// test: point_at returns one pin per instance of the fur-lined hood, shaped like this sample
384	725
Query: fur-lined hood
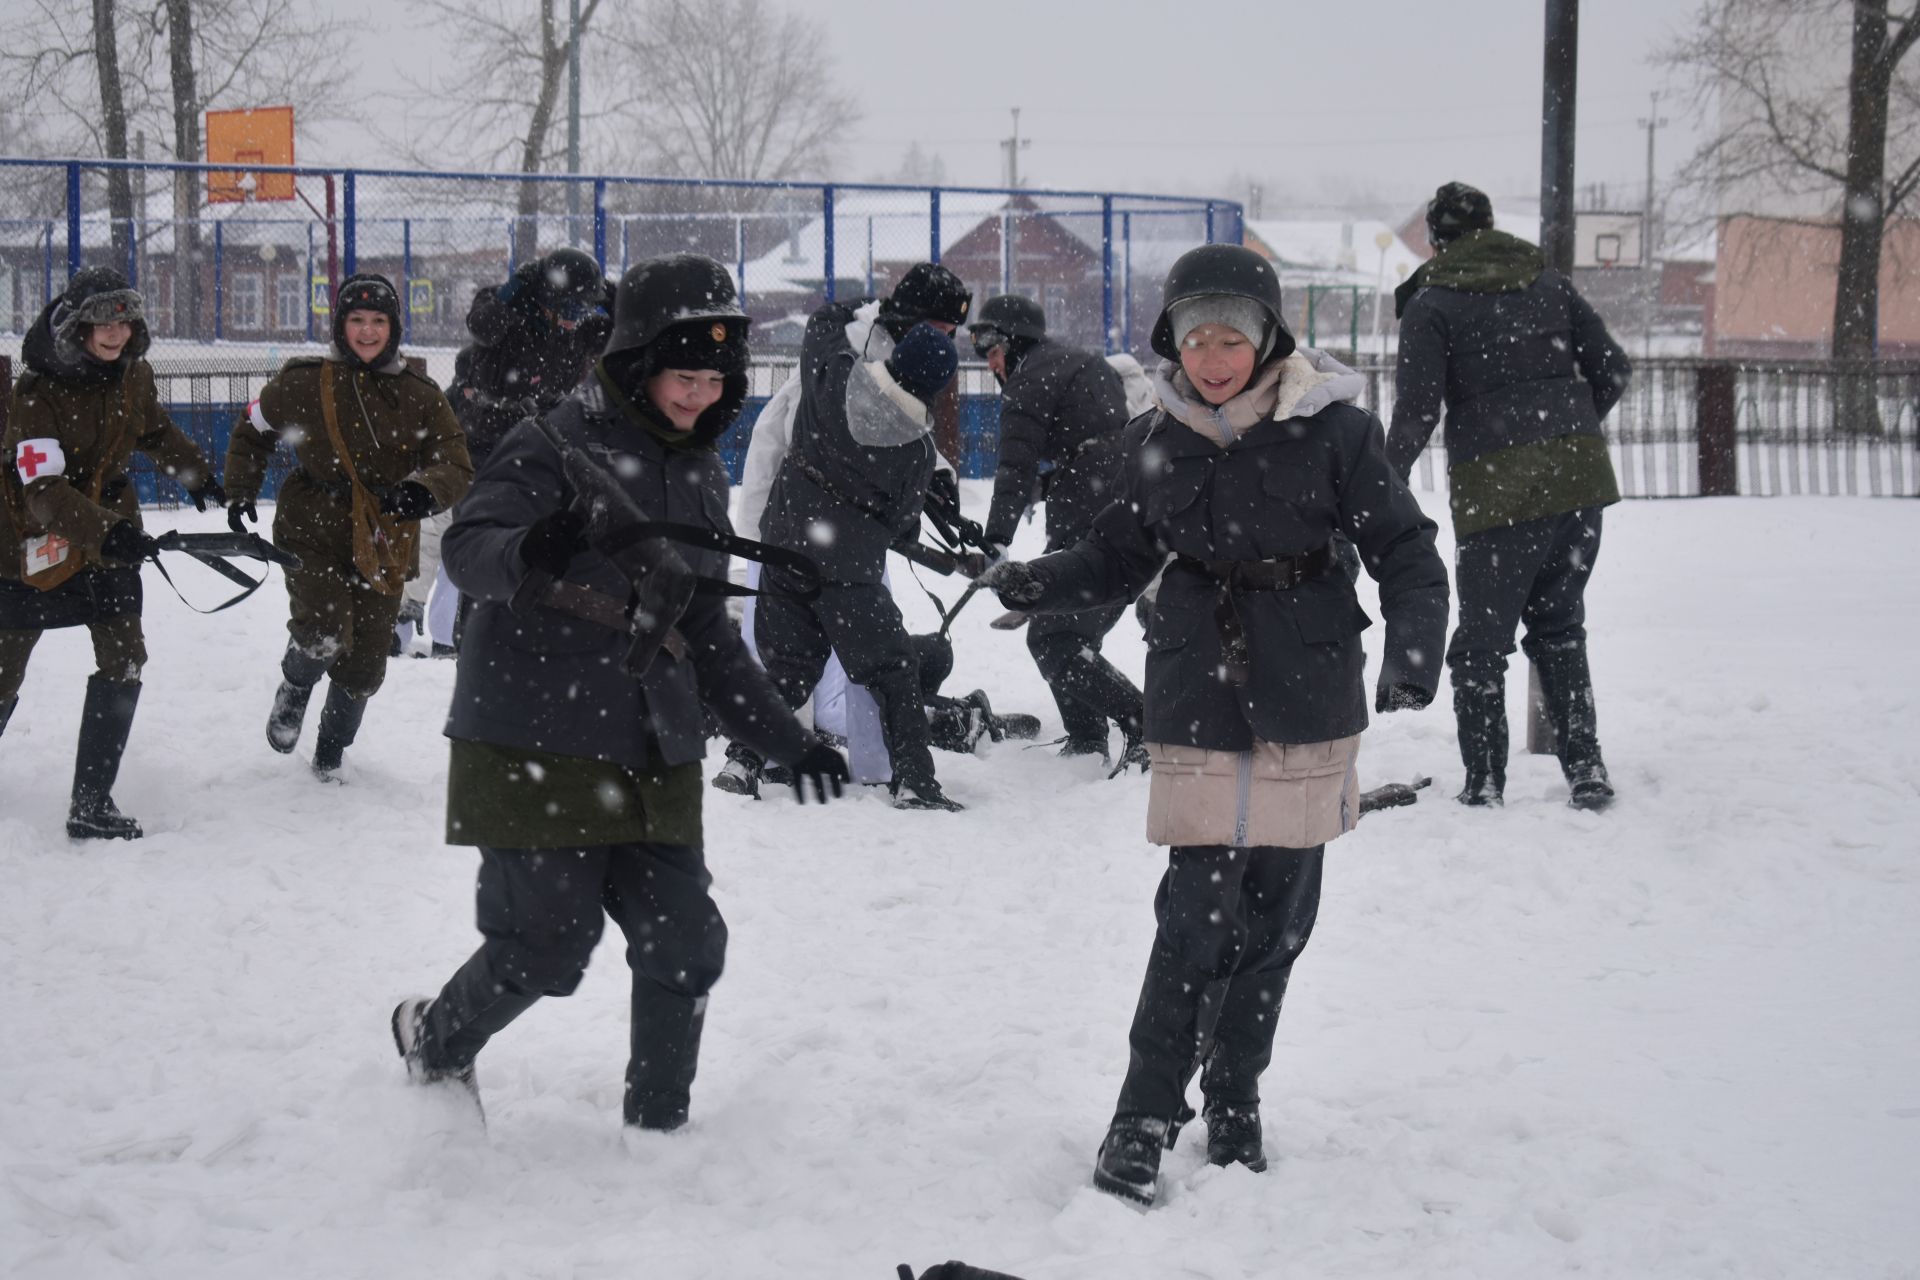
1298	385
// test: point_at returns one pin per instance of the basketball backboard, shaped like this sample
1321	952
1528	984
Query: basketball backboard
260	135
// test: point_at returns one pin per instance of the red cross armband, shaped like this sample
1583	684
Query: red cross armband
38	459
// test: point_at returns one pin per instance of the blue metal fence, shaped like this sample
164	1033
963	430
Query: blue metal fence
251	272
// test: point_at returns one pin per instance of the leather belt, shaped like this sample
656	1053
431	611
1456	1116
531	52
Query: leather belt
1278	573
605	610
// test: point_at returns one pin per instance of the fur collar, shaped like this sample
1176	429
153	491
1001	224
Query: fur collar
1298	385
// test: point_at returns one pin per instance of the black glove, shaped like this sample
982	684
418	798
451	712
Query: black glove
209	491
551	542
824	767
126	543
1019	585
943	490
408	500
239	509
1401	697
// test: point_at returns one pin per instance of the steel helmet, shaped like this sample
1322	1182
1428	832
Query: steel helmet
1229	269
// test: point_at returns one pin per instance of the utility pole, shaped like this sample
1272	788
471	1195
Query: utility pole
1558	79
1648	258
1557	135
573	120
1013	147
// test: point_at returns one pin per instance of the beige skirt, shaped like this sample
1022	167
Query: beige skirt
1291	796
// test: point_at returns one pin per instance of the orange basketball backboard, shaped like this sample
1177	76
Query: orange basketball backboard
260	135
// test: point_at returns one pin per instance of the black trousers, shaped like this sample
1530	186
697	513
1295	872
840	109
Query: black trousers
1232	922
1534	572
1088	690
861	623
541	912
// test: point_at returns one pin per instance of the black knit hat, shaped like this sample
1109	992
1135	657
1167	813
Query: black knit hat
923	362
927	292
1455	210
366	291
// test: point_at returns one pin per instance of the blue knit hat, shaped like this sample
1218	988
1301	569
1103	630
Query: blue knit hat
923	362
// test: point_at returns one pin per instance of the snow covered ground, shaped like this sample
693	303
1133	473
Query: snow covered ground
1675	1040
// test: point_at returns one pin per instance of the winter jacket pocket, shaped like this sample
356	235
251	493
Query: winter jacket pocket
1173	494
1330	621
1171	628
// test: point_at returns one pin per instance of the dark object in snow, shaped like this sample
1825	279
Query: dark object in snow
1011	620
953	1271
1393	795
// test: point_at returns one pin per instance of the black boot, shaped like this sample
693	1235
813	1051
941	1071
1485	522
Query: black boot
339	726
1568	686
665	1053
299	671
1480	711
1233	1135
1128	1165
105	722
922	793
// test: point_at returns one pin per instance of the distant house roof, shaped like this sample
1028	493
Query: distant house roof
868	227
1334	252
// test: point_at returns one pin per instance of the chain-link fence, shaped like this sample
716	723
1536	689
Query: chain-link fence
260	272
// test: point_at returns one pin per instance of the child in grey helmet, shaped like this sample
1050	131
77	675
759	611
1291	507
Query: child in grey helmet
1255	459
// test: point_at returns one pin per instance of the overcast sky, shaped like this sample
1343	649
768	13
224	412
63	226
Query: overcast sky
1387	96
1319	101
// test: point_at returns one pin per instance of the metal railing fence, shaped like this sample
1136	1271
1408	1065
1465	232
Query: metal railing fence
254	272
1783	436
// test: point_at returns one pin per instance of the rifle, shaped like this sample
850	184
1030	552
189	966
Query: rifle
212	550
662	583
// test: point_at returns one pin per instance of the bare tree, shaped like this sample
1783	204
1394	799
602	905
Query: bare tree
501	109
1805	114
113	121
732	89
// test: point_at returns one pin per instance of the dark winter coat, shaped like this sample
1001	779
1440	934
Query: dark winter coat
552	682
1284	487
1065	408
856	474
518	364
1526	371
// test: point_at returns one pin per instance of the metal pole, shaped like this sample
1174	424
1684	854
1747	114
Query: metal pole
573	120
869	255
1126	280
933	226
406	276
1106	272
1559	79
740	255
826	240
333	247
73	220
600	224
306	285
1557	133
1209	222
219	281
353	229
